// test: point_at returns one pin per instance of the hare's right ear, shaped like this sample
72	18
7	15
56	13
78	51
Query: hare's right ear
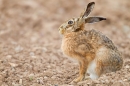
94	19
88	9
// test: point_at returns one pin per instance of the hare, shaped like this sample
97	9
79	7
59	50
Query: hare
95	52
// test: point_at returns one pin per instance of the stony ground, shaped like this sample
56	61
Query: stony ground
30	53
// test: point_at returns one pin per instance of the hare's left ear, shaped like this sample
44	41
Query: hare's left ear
94	19
88	9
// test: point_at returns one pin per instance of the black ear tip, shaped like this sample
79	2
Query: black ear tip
91	3
102	19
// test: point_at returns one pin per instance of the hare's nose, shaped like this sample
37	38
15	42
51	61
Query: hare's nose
59	28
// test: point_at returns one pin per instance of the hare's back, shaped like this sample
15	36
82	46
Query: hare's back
99	39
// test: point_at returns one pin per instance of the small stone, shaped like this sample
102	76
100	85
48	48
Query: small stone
48	66
40	80
107	81
129	79
102	81
88	83
125	80
53	77
18	48
32	54
9	56
127	66
20	81
45	77
31	77
44	49
13	84
13	64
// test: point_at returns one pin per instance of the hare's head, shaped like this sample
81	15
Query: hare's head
76	24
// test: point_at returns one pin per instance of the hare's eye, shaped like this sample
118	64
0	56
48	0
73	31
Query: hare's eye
70	22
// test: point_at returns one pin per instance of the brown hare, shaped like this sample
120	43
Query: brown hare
95	52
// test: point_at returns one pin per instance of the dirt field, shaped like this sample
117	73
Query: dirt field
30	53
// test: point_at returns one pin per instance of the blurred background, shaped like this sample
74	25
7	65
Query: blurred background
30	53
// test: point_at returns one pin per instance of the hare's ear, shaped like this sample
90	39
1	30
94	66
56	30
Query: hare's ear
94	19
88	9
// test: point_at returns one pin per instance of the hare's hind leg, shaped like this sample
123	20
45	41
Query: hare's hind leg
98	68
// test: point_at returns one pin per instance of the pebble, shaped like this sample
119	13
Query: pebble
48	66
125	80
107	81
102	81
44	49
31	76
40	80
129	79
9	56
13	84
13	64
53	77
32	54
88	83
127	66
21	81
45	77
18	48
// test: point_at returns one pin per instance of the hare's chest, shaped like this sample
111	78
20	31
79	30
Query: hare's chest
68	47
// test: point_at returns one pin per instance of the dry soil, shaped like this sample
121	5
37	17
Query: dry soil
30	53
